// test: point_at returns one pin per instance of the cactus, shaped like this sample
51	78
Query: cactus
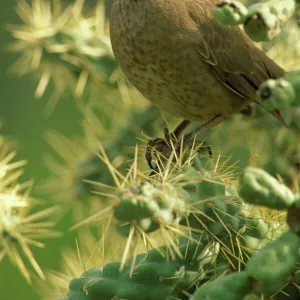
281	93
234	286
265	19
257	187
230	12
271	266
262	21
69	47
149	206
19	226
151	271
224	236
78	164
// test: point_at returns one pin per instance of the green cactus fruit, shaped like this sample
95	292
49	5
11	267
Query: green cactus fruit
230	12
236	214
276	94
265	19
256	228
259	188
148	206
259	233
253	243
94	272
208	189
272	265
231	287
76	289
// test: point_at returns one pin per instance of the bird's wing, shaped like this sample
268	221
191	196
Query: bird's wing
235	60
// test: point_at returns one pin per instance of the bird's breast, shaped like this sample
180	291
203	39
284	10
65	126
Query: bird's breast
178	82
158	61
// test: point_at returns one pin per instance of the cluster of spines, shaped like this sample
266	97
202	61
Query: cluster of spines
149	206
275	264
65	45
210	205
152	275
78	165
20	229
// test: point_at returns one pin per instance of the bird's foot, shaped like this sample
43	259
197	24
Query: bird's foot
171	148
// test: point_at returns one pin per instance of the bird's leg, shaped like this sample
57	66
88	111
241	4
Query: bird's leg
164	147
176	134
190	137
180	128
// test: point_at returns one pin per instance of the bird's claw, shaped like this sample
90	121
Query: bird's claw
163	148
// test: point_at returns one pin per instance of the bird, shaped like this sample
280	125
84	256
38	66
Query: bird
186	63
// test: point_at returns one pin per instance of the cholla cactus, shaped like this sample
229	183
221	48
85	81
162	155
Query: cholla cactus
262	21
64	45
75	162
266	18
230	12
88	251
206	229
9	169
281	93
203	252
78	164
20	229
285	49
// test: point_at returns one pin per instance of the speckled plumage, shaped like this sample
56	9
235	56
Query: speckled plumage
183	61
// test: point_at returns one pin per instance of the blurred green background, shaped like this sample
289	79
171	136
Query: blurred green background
24	123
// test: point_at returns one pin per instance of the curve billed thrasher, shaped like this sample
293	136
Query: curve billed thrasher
186	63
